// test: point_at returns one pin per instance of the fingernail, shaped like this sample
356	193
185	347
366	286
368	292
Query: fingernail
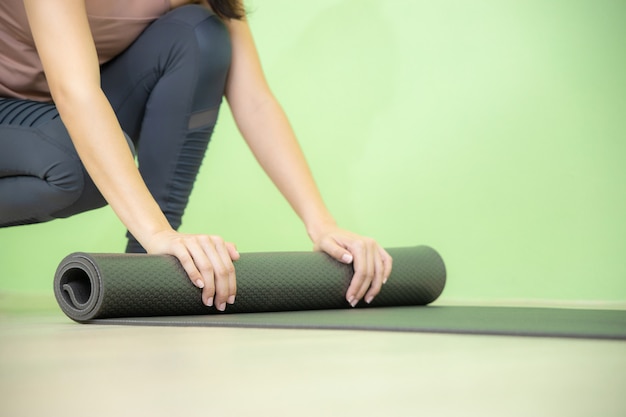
353	303
209	302
369	299
231	299
222	307
385	281
199	283
346	258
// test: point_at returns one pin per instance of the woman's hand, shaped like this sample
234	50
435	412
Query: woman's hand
73	75
372	264
208	261
268	133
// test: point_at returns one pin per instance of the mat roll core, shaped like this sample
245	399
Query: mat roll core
91	286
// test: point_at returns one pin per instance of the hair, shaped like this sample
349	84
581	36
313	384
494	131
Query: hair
230	9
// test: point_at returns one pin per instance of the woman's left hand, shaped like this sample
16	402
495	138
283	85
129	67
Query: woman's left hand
372	264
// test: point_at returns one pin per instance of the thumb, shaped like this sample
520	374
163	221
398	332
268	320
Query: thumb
336	251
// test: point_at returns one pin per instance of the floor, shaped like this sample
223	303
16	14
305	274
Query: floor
51	366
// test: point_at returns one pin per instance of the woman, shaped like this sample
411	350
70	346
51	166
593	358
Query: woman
84	82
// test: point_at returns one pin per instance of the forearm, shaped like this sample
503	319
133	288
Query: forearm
269	135
104	152
73	75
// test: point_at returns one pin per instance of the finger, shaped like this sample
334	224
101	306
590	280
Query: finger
232	251
360	273
387	263
206	268
369	272
189	266
186	261
379	274
336	251
225	254
220	273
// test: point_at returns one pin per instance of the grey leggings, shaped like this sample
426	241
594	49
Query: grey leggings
166	90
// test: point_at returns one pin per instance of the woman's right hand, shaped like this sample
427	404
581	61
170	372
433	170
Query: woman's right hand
208	261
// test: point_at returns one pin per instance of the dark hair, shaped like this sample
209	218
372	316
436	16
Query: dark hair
230	9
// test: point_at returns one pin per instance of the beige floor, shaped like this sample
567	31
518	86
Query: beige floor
50	366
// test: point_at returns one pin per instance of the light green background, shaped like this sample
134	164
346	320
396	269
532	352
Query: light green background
494	131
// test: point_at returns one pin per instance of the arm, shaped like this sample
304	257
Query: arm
269	135
63	38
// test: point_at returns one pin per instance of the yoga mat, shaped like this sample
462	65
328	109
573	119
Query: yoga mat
475	320
105	286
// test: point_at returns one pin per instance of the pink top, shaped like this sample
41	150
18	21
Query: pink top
115	24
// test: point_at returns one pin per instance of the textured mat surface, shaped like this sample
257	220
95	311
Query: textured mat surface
101	286
509	321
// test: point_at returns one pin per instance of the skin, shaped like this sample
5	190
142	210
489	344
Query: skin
73	76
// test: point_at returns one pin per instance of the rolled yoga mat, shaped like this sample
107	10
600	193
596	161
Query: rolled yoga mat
91	287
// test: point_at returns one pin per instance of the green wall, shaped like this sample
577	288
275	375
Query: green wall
493	131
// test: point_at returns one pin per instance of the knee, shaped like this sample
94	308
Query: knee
71	179
211	37
75	188
214	42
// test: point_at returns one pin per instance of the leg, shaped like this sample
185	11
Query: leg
166	90
41	176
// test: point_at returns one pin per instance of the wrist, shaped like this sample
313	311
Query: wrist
318	228
151	231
